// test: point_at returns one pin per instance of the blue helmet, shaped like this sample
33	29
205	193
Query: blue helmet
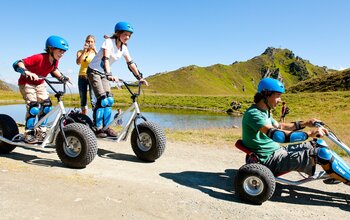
123	26
270	85
57	42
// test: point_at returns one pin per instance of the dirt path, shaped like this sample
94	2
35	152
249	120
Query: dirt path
187	182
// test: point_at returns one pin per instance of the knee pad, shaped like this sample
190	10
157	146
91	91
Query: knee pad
334	165
33	111
101	102
104	102
46	107
110	101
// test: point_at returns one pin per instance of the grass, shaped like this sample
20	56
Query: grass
10	97
212	136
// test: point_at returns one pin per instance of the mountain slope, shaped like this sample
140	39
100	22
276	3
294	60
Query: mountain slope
4	86
337	81
237	78
242	77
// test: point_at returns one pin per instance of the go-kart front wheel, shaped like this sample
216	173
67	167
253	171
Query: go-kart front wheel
254	183
82	145
8	129
151	144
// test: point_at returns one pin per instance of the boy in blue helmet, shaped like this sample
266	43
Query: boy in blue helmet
261	133
99	74
33	89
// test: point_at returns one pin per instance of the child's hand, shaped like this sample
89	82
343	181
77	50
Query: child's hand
318	132
143	81
32	76
64	78
112	78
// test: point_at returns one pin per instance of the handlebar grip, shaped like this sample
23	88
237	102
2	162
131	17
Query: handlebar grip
318	123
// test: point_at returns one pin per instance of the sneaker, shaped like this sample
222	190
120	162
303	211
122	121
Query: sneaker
84	111
40	133
100	133
110	132
30	138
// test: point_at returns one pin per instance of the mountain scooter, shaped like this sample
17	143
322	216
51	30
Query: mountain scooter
75	143
255	183
148	140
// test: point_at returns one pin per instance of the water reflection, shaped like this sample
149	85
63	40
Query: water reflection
179	119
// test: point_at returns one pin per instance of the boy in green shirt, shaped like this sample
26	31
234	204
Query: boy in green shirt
262	134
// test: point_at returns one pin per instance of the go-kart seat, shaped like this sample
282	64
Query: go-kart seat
251	157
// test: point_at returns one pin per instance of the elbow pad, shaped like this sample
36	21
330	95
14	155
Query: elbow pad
18	68
103	63
139	76
297	136
281	137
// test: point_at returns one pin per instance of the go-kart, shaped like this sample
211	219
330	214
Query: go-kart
75	143
148	139
255	183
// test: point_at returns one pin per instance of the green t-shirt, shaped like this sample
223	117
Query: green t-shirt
254	139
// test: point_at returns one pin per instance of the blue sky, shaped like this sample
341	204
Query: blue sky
171	34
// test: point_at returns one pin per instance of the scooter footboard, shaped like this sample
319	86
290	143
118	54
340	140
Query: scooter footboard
338	169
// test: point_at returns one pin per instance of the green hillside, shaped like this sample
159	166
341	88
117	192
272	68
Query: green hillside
241	78
337	81
237	78
4	86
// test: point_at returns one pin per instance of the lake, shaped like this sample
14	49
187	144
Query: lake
173	119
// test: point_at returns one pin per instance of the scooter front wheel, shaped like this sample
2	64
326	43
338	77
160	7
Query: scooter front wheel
8	129
150	144
82	145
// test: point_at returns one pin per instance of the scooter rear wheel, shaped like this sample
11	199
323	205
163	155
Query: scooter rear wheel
8	129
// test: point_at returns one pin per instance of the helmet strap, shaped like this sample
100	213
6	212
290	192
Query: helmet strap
53	57
266	95
268	106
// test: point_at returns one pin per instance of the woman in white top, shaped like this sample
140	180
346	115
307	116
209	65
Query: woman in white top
99	73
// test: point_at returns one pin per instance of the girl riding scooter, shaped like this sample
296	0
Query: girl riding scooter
99	73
